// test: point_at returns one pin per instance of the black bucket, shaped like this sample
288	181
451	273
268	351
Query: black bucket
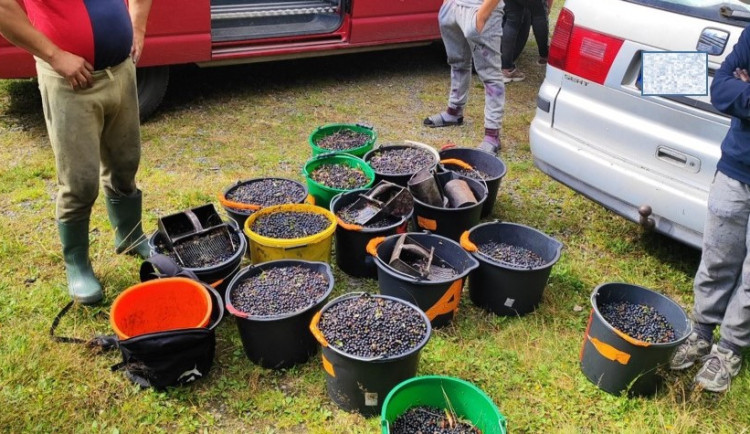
437	298
240	215
503	288
616	362
361	384
484	162
217	275
351	240
402	178
450	222
278	341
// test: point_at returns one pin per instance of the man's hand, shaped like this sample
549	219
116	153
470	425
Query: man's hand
742	74
139	10
137	48
75	69
484	12
482	20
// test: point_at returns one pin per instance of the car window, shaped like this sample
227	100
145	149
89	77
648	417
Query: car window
735	12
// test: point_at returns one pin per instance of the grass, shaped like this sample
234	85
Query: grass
220	125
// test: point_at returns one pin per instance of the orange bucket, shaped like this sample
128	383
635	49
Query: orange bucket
159	305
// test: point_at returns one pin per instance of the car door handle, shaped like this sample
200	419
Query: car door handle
677	158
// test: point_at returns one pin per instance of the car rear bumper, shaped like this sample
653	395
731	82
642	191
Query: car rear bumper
678	210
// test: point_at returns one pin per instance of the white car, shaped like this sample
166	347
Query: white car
650	159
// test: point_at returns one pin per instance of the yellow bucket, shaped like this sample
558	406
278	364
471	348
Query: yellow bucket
315	247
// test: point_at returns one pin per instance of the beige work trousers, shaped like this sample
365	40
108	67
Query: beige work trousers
95	135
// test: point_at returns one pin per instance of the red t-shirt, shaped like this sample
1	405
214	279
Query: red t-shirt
100	31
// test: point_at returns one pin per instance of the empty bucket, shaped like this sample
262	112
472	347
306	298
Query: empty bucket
351	240
616	362
445	220
437	296
502	287
485	163
281	340
159	305
361	384
466	400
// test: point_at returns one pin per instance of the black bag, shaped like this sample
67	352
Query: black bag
171	357
168	358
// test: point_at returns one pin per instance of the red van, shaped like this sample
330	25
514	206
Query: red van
226	32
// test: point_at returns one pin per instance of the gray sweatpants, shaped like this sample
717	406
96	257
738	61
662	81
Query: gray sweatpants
462	45
722	283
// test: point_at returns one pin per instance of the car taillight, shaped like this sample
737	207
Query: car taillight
580	51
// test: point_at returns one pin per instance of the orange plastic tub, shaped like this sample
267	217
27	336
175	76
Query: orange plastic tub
159	305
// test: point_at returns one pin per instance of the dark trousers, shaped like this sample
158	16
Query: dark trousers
514	33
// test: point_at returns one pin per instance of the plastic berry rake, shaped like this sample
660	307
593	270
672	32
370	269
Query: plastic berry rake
384	199
196	235
411	258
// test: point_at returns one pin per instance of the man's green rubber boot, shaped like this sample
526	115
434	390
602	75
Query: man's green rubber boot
82	284
125	217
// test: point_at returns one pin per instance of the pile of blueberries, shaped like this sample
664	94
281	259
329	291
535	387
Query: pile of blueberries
339	176
342	140
290	224
432	420
368	326
638	321
516	256
279	290
267	192
400	161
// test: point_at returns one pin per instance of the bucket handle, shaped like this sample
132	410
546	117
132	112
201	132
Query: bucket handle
235	312
372	245
608	351
348	226
447	146
448	303
239	205
456	162
467	244
316	331
364	125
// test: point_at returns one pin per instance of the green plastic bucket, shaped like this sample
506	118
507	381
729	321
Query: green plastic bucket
467	400
327	130
323	194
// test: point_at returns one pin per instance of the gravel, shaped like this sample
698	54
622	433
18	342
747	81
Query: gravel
280	290
516	256
290	224
368	326
638	321
430	420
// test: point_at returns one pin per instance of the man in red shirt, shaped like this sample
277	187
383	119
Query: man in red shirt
85	53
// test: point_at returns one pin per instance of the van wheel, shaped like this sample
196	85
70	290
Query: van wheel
152	85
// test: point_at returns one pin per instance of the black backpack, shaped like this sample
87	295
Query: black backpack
168	358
